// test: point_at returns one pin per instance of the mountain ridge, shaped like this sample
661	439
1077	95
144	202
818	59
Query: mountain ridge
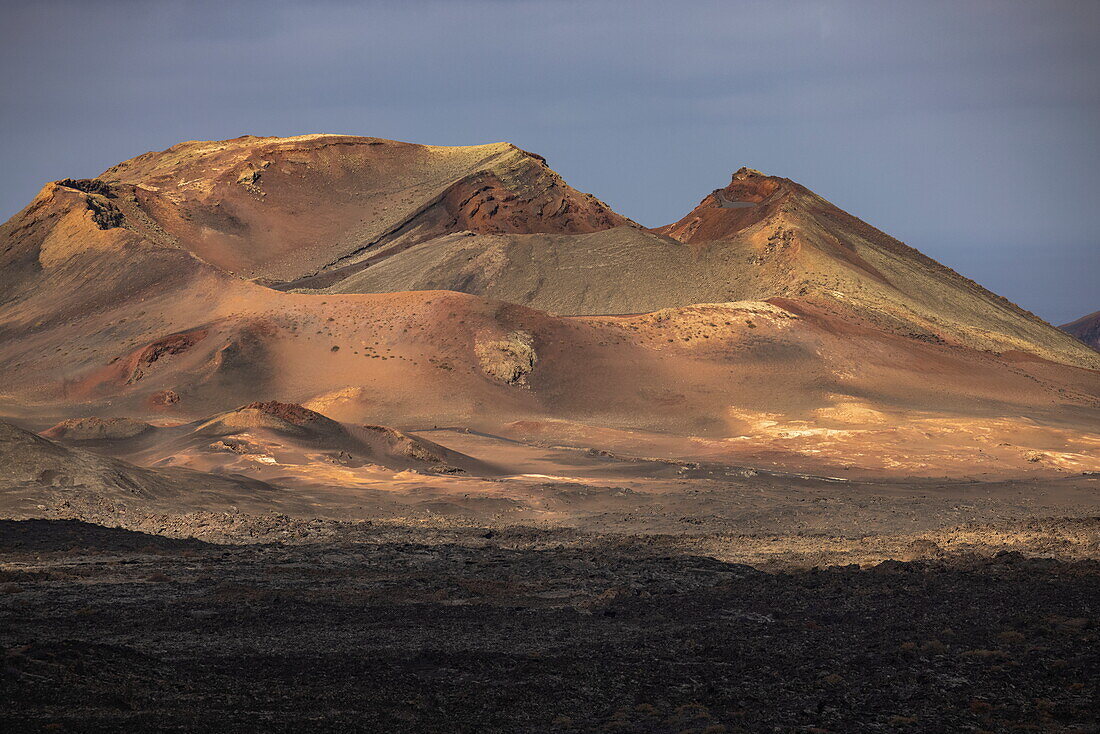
768	221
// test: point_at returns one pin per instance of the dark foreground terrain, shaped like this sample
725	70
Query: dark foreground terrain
361	627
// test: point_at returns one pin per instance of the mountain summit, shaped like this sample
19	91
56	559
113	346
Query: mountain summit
287	208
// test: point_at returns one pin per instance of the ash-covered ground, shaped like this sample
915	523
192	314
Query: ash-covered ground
276	624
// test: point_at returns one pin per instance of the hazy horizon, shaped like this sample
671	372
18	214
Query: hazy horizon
969	132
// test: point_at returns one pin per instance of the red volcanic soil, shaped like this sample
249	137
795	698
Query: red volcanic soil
166	347
749	198
484	204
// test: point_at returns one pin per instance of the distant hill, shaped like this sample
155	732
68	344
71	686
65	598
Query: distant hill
1086	328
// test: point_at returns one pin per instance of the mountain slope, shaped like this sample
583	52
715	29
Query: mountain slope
799	245
614	271
36	470
760	237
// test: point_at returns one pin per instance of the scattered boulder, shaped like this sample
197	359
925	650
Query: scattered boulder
164	398
105	214
248	177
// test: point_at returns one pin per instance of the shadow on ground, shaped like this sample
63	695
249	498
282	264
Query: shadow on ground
24	536
477	636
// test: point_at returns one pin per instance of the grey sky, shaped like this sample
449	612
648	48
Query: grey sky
970	130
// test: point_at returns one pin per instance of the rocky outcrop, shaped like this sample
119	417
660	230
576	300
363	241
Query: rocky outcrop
160	349
508	359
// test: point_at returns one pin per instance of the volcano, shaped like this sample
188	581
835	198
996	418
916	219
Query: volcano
376	282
